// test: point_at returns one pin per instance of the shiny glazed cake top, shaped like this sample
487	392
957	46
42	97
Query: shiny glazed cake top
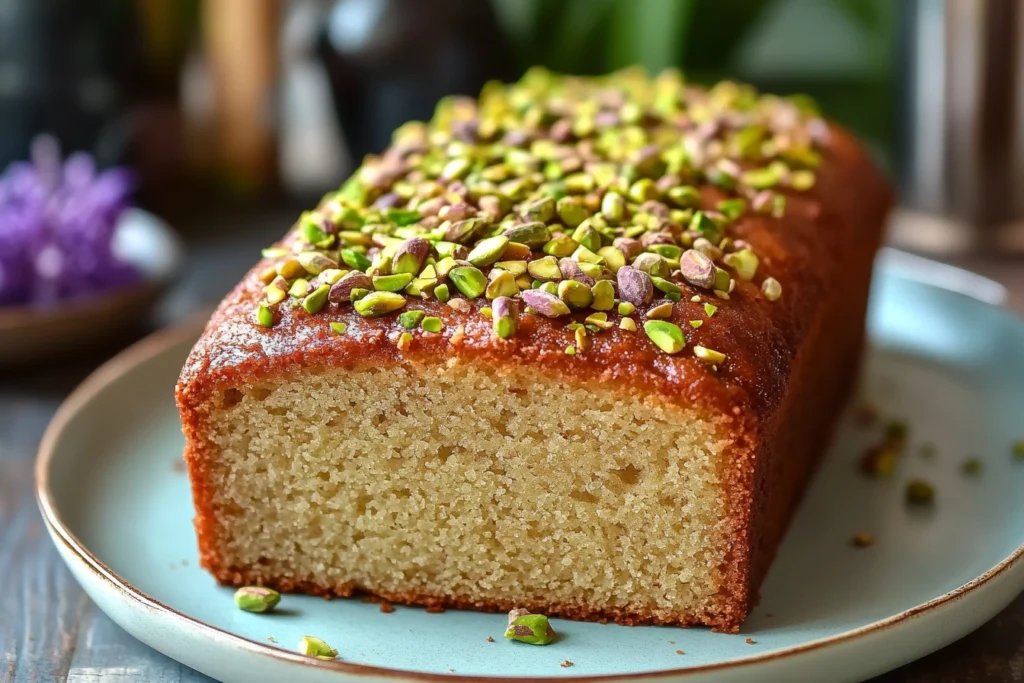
583	198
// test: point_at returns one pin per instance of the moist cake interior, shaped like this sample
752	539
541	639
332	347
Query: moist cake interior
416	482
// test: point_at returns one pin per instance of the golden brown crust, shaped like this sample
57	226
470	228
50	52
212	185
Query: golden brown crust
810	250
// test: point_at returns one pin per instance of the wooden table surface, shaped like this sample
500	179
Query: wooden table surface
49	629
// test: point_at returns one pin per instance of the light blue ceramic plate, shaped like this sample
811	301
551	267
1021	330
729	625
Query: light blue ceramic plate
952	364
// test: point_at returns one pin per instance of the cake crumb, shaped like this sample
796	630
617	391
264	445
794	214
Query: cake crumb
566	664
490	639
680	652
386	607
271	639
435	609
751	641
671	642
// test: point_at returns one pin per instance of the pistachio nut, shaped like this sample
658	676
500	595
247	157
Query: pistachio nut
665	335
545	303
635	286
256	599
377	304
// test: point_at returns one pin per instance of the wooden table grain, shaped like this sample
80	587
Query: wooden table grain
51	632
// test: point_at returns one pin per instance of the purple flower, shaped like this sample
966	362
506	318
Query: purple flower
57	224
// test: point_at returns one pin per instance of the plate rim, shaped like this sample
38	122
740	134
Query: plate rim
155	344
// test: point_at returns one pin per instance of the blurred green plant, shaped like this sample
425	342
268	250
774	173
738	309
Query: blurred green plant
712	39
593	36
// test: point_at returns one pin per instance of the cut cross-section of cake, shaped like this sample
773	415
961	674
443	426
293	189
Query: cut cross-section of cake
573	347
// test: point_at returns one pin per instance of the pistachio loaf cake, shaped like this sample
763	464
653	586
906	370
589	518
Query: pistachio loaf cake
573	347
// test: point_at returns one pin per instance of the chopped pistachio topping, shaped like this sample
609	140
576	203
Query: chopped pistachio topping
971	466
709	355
274	252
571	194
488	251
666	336
317	299
391	283
771	289
503	283
410	320
256	599
432	324
744	262
599	320
603	293
404	340
570	350
920	492
661	311
469	280
379	303
710	309
582	341
534	629
315	647
339	328
627	324
696	323
545	303
896	431
880	461
299	288
264	316
268	274
504	317
575	294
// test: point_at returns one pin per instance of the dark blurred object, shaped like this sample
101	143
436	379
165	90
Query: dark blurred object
390	61
61	62
963	165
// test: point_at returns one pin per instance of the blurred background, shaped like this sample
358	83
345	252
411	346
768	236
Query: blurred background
233	115
249	98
